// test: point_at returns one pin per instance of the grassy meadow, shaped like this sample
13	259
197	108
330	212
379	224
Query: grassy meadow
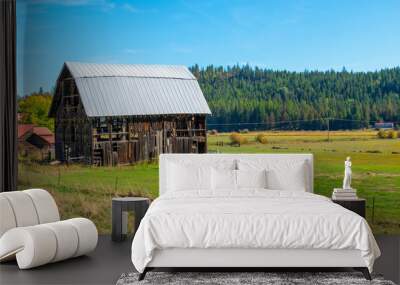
87	191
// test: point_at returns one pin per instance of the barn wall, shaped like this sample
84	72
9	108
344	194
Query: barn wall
34	153
72	127
125	140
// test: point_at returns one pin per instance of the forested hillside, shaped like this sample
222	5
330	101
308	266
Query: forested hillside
245	94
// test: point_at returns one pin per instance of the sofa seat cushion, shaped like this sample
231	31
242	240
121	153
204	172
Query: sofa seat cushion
40	244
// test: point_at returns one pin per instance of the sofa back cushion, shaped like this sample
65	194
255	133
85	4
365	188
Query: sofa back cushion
7	218
26	208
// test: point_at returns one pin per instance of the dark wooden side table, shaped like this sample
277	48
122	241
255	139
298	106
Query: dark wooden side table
355	205
120	208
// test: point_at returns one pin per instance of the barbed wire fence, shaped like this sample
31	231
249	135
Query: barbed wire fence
275	123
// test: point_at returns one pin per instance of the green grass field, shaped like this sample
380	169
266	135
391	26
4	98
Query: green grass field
87	191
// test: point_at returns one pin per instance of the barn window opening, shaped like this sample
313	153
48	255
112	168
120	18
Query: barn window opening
115	147
73	134
100	129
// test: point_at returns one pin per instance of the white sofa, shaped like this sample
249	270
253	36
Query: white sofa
31	230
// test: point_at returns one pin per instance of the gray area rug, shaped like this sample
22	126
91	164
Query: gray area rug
227	278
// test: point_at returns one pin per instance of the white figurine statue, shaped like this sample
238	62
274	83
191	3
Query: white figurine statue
347	174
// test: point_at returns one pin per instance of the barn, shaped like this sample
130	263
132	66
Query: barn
115	114
35	142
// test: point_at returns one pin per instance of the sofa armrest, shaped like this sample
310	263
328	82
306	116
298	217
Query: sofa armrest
32	246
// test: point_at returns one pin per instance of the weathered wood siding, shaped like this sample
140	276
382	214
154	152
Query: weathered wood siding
72	126
131	139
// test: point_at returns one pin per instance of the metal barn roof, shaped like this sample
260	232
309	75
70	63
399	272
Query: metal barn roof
80	69
134	90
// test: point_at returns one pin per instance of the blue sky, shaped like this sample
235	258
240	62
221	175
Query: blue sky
295	35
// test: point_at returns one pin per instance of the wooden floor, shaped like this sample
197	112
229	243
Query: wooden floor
110	260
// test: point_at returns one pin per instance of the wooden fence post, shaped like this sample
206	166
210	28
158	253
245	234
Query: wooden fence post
373	210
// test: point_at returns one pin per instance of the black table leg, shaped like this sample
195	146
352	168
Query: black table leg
116	222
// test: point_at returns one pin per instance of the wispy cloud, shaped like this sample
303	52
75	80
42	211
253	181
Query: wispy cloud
180	49
105	5
67	2
132	51
184	50
130	8
100	58
135	9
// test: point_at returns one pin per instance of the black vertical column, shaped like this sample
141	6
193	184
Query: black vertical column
8	97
